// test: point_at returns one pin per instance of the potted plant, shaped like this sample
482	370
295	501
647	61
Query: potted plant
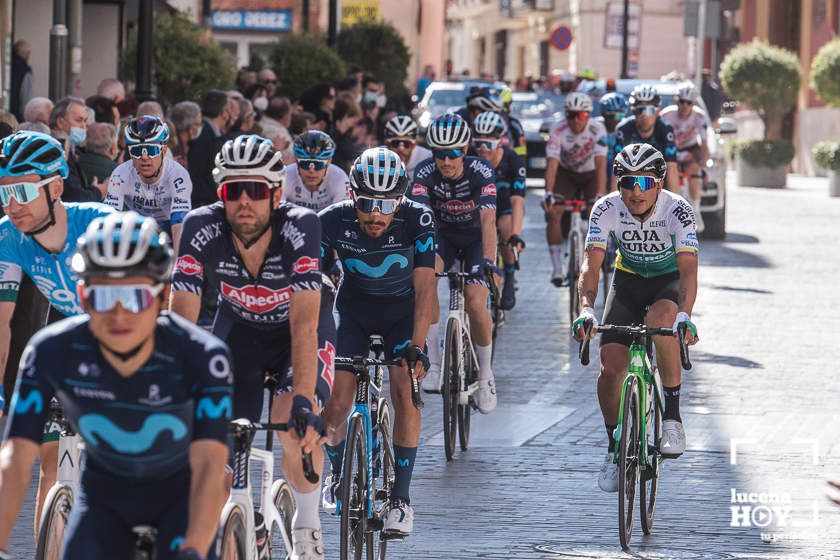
767	79
827	156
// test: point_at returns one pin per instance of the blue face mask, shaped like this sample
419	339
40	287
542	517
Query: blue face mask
77	135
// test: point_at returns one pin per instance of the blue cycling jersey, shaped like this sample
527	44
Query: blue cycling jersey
510	173
661	138
51	272
138	427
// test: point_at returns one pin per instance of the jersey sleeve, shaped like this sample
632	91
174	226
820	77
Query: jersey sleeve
212	390
553	146
192	254
601	224
11	272
520	172
28	409
115	198
302	249
484	179
668	142
681	226
340	187
182	195
422	183
328	217
600	133
424	239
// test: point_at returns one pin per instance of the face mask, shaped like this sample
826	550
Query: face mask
261	103
197	132
77	135
370	97
381	100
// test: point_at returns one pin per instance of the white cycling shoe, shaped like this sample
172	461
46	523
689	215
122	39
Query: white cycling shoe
328	493
431	382
399	519
485	395
308	544
672	444
608	476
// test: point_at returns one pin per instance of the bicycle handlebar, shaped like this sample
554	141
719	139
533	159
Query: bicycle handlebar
360	362
634	330
241	426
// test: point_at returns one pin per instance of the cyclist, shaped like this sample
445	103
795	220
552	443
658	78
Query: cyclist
576	158
613	107
689	124
461	192
401	137
313	181
37	238
148	393
263	258
488	130
484	99
655	283
386	245
151	184
646	126
516	131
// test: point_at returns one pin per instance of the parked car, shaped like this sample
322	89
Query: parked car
444	97
533	109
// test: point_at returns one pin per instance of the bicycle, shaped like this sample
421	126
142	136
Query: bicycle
368	455
576	243
640	423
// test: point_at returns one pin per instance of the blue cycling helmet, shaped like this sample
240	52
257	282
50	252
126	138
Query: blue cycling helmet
613	103
314	144
147	129
32	153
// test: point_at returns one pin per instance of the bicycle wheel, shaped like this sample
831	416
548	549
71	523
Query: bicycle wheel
54	523
574	270
650	477
628	462
470	369
451	383
352	491
284	501
378	547
234	540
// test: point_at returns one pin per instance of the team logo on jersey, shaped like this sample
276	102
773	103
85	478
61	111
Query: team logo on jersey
256	299
189	266
418	190
154	397
326	356
489	189
458	206
304	265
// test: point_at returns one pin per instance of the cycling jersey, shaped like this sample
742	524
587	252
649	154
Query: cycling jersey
139	427
333	188
577	152
662	137
648	248
51	272
167	201
515	133
510	180
418	155
609	142
456	203
687	132
378	268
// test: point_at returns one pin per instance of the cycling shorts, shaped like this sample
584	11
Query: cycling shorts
695	151
466	245
567	181
359	318
503	206
629	297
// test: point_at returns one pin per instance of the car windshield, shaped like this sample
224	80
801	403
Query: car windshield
535	105
445	98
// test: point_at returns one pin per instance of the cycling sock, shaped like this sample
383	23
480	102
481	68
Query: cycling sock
672	403
610	431
510	269
336	454
433	343
485	359
404	458
307	514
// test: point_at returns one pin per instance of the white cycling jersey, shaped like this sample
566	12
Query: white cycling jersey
167	200
686	131
334	188
576	152
419	155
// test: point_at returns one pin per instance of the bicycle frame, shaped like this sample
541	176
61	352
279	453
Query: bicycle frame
458	313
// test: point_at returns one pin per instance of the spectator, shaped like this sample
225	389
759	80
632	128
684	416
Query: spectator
712	96
346	114
68	122
244	79
320	101
216	108
35	126
258	95
128	107
8	123
21	90
268	79
112	89
151	108
104	109
97	157
300	122
275	122
423	81
186	125
38	109
246	123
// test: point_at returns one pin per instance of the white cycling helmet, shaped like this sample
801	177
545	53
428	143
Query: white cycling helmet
490	124
448	131
378	173
483	103
644	93
401	126
577	101
688	93
639	157
250	155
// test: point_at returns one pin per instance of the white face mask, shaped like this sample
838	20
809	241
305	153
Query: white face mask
261	103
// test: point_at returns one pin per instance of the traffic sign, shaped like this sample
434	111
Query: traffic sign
561	37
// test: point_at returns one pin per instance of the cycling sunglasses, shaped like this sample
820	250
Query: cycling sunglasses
401	143
486	144
630	182
648	110
152	150
685	102
24	193
133	298
383	205
451	154
232	191
310	164
576	115
615	115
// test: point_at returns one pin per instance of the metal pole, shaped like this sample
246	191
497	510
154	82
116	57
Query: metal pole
625	39
205	11
58	51
143	82
332	28
305	15
701	45
74	25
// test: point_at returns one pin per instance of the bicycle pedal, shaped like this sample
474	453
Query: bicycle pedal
375	524
381	495
392	536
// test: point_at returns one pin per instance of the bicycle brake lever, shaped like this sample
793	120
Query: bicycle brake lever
684	357
416	399
583	348
306	458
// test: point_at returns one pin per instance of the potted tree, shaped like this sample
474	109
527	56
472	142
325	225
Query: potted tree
824	72
827	156
767	79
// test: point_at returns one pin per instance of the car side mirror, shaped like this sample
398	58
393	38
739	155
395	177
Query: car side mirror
727	126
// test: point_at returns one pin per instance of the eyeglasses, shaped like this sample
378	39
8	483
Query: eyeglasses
579	115
256	190
316	164
488	145
269	81
383	205
451	154
685	102
401	143
630	182
614	115
24	193
134	298
647	110
138	150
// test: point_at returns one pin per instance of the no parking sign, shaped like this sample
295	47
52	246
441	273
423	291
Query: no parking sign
561	37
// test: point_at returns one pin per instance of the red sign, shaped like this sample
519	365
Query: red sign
304	265
189	266
257	299
561	37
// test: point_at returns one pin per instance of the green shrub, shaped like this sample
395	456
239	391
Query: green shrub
825	73
765	153
301	61
377	48
827	155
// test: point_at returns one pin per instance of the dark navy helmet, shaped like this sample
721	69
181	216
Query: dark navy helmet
314	144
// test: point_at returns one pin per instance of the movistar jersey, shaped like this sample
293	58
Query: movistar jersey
661	138
378	267
51	272
138	427
510	173
648	248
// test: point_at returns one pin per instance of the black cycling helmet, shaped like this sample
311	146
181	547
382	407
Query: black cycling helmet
147	129
314	144
484	99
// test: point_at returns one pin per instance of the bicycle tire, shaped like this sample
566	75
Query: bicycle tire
465	410
377	548
648	488
353	490
574	299
628	462
451	381
54	523
234	544
284	501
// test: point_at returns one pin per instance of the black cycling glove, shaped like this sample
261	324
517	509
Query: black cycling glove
303	416
413	354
